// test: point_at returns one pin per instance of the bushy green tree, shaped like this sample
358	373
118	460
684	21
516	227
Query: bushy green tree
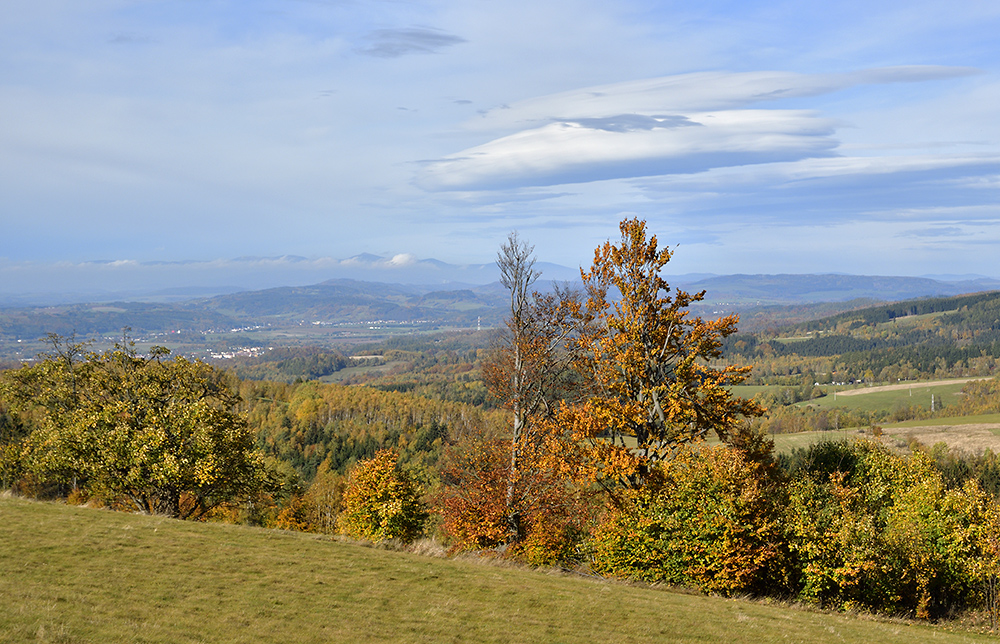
878	531
152	433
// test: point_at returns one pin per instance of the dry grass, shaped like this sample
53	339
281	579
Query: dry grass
971	438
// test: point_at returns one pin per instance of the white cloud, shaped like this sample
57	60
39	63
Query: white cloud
672	125
702	91
828	168
571	152
402	260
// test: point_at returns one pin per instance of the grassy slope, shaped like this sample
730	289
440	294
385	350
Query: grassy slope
72	574
785	443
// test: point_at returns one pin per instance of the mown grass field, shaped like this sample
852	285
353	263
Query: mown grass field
967	433
961	420
916	395
73	575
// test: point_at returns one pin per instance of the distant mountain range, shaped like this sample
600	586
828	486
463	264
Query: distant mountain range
111	281
760	290
35	284
339	301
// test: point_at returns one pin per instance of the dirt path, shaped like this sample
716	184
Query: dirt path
908	385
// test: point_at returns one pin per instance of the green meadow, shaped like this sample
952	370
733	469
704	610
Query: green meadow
75	575
916	395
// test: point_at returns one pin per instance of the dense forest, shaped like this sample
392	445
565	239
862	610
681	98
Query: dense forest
930	338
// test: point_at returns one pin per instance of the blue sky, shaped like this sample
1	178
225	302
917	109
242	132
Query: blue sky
755	137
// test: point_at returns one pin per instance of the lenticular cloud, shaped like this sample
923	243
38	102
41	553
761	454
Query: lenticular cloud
585	150
672	125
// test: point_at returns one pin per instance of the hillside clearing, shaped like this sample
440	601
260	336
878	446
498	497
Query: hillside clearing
968	437
909	385
77	575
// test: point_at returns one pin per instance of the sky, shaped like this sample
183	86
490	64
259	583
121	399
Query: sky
185	142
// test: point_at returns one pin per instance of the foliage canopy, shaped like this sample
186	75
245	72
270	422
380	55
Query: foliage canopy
159	435
648	361
381	501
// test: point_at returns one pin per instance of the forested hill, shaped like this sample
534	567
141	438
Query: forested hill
969	311
332	302
351	301
927	335
108	318
314	426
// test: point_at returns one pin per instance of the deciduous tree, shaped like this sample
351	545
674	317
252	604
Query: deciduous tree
648	360
157	434
711	518
381	501
528	365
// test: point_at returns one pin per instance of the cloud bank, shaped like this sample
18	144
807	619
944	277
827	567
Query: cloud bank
590	150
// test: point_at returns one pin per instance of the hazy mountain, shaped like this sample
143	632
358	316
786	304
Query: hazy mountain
344	300
759	290
761	299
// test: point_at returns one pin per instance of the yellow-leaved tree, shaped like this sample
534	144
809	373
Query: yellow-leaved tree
151	433
381	501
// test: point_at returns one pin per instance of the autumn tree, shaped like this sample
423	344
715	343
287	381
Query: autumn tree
875	530
709	518
382	501
648	360
156	434
528	365
552	510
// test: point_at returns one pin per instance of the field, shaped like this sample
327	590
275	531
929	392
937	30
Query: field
75	575
971	434
879	398
917	394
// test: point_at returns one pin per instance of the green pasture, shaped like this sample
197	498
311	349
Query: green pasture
787	443
749	391
912	320
916	395
77	575
347	372
792	339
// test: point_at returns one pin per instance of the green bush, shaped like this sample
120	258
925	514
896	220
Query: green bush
711	518
877	531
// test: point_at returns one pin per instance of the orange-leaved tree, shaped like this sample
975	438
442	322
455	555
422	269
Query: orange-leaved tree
550	498
648	361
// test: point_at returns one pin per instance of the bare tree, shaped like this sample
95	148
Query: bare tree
527	367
